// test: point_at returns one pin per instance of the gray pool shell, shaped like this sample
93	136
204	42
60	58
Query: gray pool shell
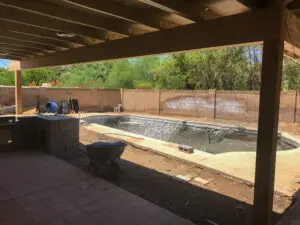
188	133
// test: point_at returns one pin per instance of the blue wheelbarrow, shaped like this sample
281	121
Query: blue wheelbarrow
105	154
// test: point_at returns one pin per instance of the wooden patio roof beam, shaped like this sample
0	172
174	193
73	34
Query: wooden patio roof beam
146	17
70	15
14	49
292	34
40	32
33	39
193	10
253	26
23	17
20	47
13	52
26	44
11	57
294	6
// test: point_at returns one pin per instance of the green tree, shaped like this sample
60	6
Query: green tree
86	75
40	75
121	75
6	77
143	72
291	71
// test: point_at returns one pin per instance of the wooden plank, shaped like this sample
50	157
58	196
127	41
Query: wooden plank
28	44
237	29
145	16
193	10
4	52
268	125
292	36
16	50
294	6
33	39
21	47
10	57
41	32
70	15
18	92
23	17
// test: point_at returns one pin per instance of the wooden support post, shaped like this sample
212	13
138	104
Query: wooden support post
215	104
18	92
38	104
268	126
158	102
295	109
122	94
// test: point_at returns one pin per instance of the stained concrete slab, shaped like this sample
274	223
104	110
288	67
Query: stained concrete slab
40	189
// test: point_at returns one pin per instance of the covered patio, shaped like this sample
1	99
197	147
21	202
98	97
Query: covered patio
43	189
53	33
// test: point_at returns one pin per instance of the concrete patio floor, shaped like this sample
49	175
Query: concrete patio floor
36	188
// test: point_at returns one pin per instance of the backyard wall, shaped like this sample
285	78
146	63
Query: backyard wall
236	105
89	99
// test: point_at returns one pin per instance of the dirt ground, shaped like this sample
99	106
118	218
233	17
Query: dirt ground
222	201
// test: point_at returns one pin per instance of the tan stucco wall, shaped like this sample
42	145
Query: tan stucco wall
95	99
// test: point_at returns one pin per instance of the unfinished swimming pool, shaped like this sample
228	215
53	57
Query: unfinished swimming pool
209	138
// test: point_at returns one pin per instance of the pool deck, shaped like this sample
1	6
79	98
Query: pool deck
239	165
40	189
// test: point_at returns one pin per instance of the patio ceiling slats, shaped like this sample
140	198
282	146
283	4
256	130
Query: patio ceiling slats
52	26
231	30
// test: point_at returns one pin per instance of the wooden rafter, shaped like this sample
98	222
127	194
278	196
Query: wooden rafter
193	10
17	54
72	16
294	5
23	17
231	30
4	47
28	44
32	39
148	17
9	56
20	47
41	32
292	34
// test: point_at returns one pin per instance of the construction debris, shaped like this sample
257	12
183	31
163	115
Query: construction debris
181	178
201	180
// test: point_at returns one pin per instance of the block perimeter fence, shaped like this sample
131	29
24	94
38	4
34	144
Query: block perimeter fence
214	104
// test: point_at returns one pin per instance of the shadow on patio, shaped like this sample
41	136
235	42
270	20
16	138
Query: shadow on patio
37	188
200	205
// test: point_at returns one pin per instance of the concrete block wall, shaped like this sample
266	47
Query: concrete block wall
236	105
89	99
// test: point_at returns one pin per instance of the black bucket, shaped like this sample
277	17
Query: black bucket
74	105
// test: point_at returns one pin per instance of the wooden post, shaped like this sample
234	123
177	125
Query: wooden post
158	102
268	125
38	104
18	92
121	94
215	104
295	110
